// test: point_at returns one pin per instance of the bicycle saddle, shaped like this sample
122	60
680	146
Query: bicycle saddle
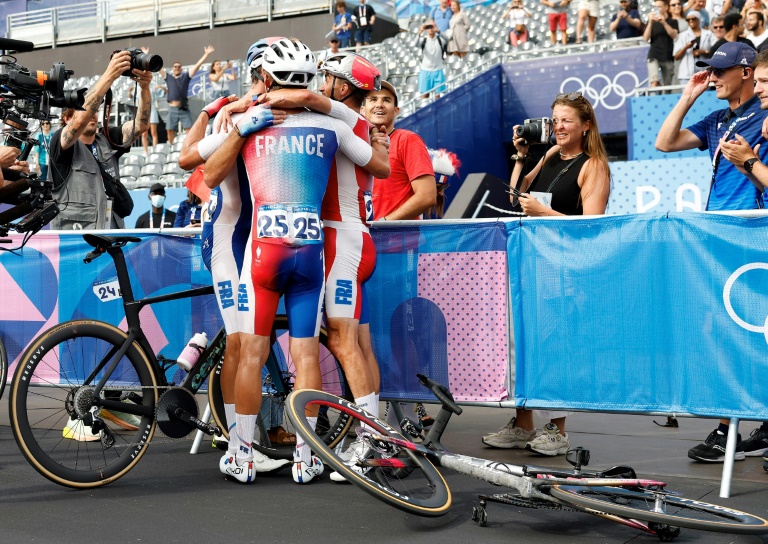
105	242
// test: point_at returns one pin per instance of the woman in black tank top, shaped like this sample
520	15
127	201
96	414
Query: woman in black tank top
574	173
576	176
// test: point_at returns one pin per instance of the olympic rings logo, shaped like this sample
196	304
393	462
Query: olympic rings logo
727	299
600	87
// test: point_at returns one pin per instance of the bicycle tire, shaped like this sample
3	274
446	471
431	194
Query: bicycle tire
423	492
3	367
638	504
334	380
42	394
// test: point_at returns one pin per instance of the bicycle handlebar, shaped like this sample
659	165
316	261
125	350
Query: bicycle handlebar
442	393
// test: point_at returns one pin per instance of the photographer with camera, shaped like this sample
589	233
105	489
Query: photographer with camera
84	162
575	178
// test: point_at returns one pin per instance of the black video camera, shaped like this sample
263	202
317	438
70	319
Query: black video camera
142	61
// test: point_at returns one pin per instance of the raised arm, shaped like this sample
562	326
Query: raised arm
671	137
119	63
131	131
189	157
208	50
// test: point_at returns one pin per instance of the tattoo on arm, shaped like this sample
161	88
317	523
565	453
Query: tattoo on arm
69	135
144	116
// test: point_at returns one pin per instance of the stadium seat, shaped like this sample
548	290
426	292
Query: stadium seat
132	158
151	170
130	170
161	148
155	158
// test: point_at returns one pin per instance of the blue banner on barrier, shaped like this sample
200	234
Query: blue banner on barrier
439	307
49	284
642	314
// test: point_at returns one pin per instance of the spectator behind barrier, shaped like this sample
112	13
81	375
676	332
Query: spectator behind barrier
158	216
365	17
84	162
718	27
189	213
676	13
588	12
557	17
43	145
701	7
518	17
218	79
458	39
574	178
733	24
441	15
177	83
718	8
692	45
626	23
333	49
661	32
433	49
756	32
750	160
342	24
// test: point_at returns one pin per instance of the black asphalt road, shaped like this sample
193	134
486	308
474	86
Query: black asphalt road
172	496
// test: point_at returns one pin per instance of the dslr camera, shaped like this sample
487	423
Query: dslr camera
142	61
535	131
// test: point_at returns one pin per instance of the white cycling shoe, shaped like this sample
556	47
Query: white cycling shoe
304	473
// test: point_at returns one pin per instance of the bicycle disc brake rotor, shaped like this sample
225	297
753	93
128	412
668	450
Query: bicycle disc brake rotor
175	397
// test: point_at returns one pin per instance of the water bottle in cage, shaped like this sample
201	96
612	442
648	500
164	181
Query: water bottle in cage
192	352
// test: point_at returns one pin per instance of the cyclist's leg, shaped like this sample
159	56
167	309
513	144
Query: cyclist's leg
350	259
267	280
304	296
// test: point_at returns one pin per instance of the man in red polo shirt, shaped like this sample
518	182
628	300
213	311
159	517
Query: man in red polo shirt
410	189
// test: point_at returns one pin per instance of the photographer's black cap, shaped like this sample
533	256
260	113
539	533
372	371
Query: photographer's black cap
157	188
730	54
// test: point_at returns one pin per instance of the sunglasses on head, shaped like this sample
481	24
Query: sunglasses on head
570	96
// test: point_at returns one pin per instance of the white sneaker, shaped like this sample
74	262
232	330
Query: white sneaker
75	429
549	441
244	473
509	437
354	453
304	473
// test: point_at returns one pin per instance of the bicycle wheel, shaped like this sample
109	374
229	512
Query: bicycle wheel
422	492
3	367
273	397
50	383
675	511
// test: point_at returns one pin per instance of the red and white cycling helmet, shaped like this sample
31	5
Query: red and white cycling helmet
355	68
289	62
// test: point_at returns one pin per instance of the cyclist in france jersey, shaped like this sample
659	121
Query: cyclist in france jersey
288	168
350	255
226	238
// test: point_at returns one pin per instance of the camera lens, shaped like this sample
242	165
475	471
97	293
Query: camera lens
153	63
530	132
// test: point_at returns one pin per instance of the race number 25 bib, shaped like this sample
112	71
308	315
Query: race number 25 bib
299	223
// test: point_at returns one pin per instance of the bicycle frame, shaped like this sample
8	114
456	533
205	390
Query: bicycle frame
132	308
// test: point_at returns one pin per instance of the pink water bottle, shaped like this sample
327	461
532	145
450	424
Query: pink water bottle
192	352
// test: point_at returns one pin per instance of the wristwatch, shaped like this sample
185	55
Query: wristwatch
749	163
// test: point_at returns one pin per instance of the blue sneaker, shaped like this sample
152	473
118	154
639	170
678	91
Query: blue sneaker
304	473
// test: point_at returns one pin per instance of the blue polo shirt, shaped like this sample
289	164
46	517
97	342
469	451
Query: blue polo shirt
442	18
732	190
